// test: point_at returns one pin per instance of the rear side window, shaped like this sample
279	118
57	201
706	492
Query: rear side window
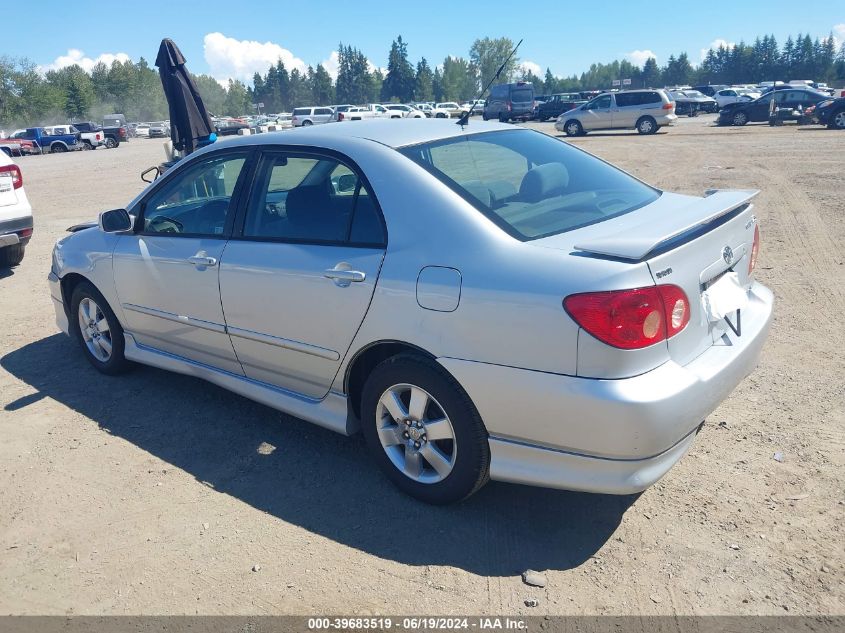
323	111
650	97
313	199
627	99
530	184
301	111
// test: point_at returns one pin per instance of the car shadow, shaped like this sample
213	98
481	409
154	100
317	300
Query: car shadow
6	272
314	478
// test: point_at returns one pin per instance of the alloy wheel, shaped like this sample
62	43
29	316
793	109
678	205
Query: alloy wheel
416	433
95	330
839	120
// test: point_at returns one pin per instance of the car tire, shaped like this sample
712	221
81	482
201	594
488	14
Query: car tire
740	119
646	125
86	145
110	143
101	337
573	128
439	115
57	148
306	123
484	116
11	255
837	120
460	456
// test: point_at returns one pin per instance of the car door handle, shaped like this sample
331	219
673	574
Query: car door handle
346	276
201	259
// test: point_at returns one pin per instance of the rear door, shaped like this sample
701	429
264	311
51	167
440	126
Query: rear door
626	110
522	100
297	278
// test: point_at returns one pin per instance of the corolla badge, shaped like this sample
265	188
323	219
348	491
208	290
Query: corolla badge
728	255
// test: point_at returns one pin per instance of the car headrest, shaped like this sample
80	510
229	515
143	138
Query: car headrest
308	205
544	181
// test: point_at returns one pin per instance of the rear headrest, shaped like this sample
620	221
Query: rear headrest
308	205
544	181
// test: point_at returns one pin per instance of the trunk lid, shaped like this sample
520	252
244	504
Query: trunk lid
687	241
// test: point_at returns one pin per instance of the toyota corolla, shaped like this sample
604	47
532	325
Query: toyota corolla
481	302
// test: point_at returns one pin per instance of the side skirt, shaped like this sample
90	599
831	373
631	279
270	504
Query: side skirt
330	413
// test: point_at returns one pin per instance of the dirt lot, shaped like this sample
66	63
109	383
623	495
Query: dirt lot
156	493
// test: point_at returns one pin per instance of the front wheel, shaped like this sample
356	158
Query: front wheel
11	255
573	128
646	125
837	121
97	330
423	431
740	118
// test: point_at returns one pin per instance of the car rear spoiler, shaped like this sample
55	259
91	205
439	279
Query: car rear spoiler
640	241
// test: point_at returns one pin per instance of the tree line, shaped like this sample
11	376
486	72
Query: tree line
30	97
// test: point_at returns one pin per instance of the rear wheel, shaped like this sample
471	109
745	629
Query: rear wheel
423	431
837	121
440	115
306	123
57	148
11	255
646	125
97	330
111	143
87	145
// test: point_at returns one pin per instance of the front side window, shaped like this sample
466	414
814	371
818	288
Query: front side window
601	103
196	201
315	199
530	184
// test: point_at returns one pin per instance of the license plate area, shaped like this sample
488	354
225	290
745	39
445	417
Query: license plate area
723	299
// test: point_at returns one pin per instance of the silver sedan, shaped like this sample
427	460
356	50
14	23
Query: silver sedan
481	302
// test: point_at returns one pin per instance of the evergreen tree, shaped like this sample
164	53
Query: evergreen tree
400	80
424	83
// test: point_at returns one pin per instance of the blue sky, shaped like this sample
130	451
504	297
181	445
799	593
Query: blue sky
233	39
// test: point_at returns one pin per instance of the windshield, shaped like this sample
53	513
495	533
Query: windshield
694	93
530	184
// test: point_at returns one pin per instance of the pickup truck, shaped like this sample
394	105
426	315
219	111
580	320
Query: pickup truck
91	137
556	105
18	147
114	127
371	111
51	143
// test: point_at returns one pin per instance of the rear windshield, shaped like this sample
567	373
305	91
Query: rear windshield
530	184
521	95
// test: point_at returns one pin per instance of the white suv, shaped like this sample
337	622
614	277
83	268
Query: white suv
15	214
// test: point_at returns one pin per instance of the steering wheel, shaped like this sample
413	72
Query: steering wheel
159	220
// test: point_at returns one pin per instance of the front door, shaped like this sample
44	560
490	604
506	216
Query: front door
597	114
297	277
166	273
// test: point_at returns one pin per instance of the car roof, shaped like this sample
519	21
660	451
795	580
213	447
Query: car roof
393	133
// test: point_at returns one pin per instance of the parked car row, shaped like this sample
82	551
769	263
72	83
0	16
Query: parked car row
66	137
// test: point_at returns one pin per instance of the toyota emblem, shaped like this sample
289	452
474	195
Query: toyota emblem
728	255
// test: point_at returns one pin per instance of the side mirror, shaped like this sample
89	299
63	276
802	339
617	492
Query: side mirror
115	221
346	183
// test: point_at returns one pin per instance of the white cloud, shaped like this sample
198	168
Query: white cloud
332	64
533	67
241	59
77	57
639	58
838	35
715	45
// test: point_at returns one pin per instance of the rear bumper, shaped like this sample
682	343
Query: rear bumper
666	119
610	436
10	230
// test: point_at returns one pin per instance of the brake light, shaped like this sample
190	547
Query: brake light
631	319
14	172
340	116
25	233
669	106
755	250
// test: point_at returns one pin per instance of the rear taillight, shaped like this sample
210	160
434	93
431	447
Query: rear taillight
122	132
755	250
510	106
340	116
669	106
631	319
25	233
14	172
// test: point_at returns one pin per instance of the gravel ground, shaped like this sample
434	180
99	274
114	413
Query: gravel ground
155	493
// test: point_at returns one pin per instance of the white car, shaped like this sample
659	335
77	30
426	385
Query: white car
142	129
452	108
406	111
732	95
432	112
15	214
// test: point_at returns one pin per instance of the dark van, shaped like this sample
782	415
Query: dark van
508	102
